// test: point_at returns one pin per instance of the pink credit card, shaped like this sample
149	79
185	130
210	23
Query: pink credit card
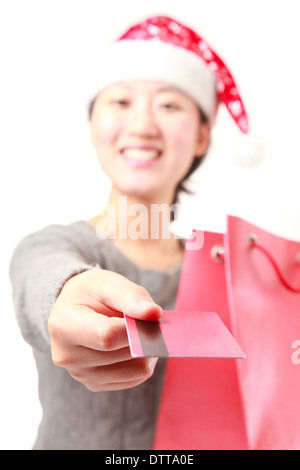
182	334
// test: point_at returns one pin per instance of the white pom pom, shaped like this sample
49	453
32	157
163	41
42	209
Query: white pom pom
248	150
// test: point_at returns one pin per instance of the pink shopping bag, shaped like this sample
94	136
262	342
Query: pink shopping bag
251	278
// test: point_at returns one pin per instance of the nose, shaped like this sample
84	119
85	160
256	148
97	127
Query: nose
141	120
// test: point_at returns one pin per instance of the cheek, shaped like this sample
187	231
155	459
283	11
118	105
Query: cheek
104	131
184	142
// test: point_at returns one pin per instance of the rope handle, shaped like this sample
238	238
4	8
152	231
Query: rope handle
254	244
218	254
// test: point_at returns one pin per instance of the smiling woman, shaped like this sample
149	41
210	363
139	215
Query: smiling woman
165	100
138	125
150	122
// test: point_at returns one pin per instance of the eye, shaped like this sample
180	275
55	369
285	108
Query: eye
120	102
170	106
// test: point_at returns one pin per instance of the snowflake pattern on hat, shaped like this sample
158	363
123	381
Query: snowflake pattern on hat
168	30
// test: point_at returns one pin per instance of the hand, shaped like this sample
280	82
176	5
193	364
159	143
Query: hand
88	332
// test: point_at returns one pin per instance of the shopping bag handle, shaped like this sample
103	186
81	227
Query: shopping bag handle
253	241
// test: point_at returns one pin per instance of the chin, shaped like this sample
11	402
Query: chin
146	192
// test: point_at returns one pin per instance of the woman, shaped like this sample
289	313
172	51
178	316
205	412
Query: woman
150	121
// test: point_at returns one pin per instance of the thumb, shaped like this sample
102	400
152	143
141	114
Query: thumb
144	309
136	302
121	294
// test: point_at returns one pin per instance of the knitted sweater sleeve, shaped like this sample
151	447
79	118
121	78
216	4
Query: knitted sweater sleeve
40	266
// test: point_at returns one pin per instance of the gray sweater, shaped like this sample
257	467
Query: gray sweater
73	417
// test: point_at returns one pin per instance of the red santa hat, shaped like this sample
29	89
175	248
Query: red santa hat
161	48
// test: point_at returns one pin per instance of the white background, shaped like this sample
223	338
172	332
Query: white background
50	174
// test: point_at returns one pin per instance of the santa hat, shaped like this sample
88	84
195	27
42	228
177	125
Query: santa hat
161	48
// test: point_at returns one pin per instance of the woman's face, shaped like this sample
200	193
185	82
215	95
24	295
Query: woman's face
146	135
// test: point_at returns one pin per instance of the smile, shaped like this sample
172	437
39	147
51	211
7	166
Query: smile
140	157
141	153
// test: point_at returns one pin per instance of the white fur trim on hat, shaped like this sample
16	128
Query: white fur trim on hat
155	60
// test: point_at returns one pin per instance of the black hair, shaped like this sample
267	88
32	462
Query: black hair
181	187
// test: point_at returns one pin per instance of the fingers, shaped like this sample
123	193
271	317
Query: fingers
82	326
100	369
112	290
80	357
88	332
116	376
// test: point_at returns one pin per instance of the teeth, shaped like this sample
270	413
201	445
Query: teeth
141	154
